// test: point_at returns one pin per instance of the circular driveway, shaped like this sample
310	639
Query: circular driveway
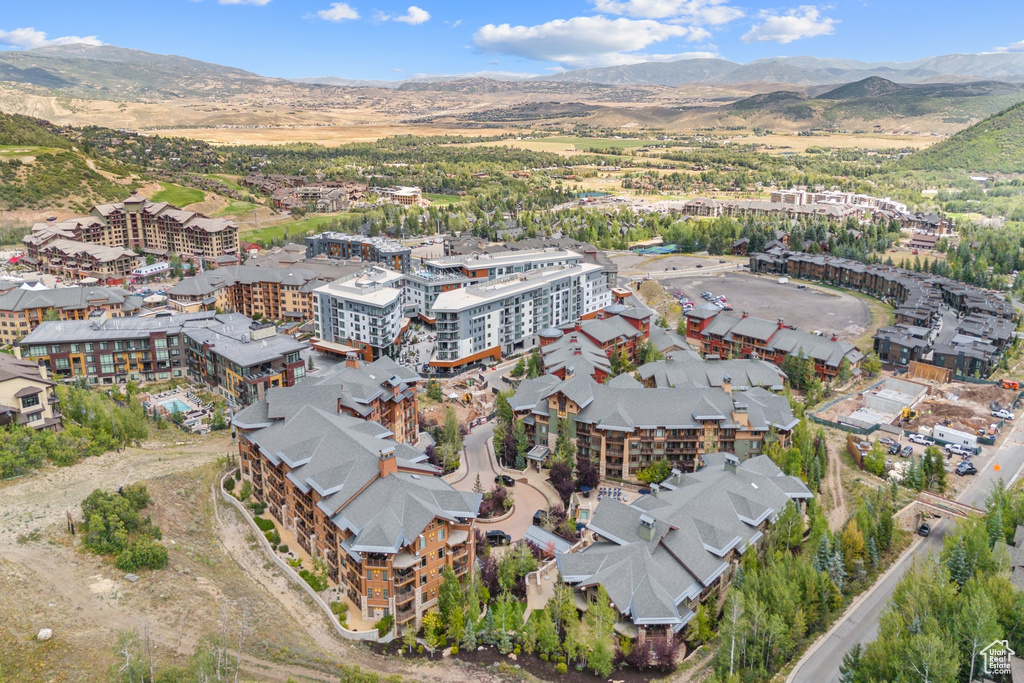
479	461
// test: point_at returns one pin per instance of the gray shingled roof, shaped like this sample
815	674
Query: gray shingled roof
699	373
698	517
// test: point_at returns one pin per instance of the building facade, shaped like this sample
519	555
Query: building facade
339	245
23	310
27	397
370	507
268	293
363	311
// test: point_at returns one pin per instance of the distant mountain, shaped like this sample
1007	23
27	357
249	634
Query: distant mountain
117	73
346	82
874	86
650	73
801	70
995	145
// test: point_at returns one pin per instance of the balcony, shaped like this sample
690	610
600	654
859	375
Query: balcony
403	615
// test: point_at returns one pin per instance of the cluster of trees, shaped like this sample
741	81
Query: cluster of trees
53	178
780	602
447	449
114	527
949	607
93	424
927	473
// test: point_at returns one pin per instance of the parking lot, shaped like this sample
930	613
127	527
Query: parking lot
807	309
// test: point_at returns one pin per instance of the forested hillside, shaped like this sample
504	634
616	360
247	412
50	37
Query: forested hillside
995	145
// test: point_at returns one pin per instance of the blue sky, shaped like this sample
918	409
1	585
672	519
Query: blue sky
381	39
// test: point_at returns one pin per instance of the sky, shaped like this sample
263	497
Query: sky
384	39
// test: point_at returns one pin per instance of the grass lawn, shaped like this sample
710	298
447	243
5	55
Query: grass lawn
236	208
14	151
296	229
599	143
443	199
233	184
177	195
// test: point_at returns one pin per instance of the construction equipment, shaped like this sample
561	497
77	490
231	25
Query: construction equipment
909	414
1011	384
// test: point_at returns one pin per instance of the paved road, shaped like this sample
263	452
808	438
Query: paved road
860	625
479	461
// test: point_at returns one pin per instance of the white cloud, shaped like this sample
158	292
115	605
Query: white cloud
29	38
414	15
713	12
803	22
258	3
338	11
1013	47
584	41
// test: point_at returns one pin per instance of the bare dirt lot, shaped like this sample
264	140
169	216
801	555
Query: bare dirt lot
806	309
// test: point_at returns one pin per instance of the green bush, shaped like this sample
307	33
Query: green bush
282	548
419	650
385	625
339	608
246	492
144	553
315	581
273	537
561	668
295	562
229	484
264	524
455	650
258	508
543	656
517	650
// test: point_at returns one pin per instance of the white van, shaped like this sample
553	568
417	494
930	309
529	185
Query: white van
783	280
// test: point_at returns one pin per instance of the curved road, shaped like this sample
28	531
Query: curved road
860	624
480	461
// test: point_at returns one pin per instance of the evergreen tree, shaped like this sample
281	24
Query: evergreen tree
848	669
836	569
958	564
823	554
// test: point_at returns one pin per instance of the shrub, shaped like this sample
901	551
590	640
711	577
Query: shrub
315	581
229	484
339	608
455	650
246	492
544	656
144	553
264	524
295	562
384	625
258	508
419	650
282	548
273	537
517	650
561	668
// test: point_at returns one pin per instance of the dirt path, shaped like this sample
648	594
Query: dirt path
833	485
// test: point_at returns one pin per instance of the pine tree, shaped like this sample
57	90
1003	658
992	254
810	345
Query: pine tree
994	522
823	554
848	669
468	638
836	570
958	564
873	551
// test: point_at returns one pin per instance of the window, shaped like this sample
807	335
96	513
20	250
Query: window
385	593
423	542
30	401
440	553
423	580
384	576
106	363
440	534
88	346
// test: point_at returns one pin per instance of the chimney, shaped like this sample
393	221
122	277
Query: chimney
655	488
352	359
743	315
646	530
387	463
835	337
782	323
50	220
727	384
732	463
677	476
569	371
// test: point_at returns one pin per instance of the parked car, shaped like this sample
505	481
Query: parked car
957	449
922	530
540	517
801	286
921	439
505	480
721	260
965	468
1002	414
894	449
887	441
700	265
498	538
907	451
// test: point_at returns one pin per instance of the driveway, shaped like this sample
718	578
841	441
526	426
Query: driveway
480	461
860	624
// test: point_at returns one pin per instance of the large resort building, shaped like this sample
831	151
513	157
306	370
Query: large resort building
23	310
269	293
382	250
353	494
623	427
661	556
362	312
101	245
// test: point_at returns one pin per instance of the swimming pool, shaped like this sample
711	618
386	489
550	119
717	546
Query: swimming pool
175	405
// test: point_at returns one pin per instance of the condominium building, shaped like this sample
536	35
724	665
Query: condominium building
661	556
26	395
229	353
370	507
491	319
362	312
100	245
269	293
22	310
339	245
623	427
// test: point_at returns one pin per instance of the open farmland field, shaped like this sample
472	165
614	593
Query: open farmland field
330	136
800	143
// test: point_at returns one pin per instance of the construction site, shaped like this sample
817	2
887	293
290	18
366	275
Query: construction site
470	396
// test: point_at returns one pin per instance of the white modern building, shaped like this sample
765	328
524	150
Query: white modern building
364	311
491	319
